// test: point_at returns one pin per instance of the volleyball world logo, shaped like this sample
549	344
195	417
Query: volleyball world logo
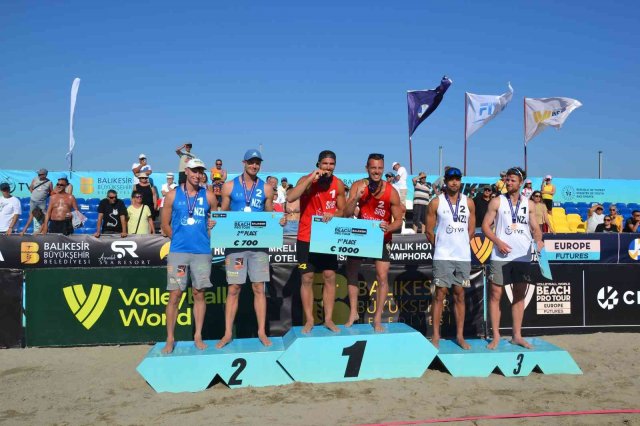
634	249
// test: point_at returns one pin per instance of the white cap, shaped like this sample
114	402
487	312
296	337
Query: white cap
395	163
169	174
141	156
547	177
195	163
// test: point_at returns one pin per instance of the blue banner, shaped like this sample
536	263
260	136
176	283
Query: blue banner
351	237
246	230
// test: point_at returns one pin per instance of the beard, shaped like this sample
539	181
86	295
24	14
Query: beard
325	179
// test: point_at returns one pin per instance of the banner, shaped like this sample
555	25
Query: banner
541	113
483	108
11	308
72	141
422	103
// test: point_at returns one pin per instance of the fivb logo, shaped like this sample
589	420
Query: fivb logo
122	248
87	310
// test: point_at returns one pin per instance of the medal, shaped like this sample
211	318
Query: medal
514	226
514	214
190	206
453	213
247	209
248	197
191	221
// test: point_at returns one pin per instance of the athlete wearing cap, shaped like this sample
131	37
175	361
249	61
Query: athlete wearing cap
451	222
186	221
515	222
247	193
376	200
320	194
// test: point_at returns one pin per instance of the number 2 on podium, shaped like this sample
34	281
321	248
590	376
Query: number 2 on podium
355	353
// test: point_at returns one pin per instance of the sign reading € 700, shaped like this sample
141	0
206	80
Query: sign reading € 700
246	230
351	237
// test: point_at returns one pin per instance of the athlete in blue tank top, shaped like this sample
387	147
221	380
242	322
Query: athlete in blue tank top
247	195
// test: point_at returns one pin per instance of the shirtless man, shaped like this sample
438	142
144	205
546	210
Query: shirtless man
58	217
375	200
515	222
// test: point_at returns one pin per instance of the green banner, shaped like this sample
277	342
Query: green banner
101	306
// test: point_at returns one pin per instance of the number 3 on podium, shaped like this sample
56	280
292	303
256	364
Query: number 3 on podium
355	353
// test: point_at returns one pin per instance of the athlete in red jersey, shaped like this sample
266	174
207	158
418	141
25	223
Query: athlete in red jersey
320	194
377	200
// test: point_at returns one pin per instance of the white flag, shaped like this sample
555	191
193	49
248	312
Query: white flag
543	112
74	94
483	108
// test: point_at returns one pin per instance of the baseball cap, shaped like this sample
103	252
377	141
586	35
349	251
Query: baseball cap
43	171
548	177
252	153
486	187
195	163
169	174
502	174
4	186
284	179
141	156
326	154
528	181
395	163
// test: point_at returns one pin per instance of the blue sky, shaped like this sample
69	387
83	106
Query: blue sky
299	77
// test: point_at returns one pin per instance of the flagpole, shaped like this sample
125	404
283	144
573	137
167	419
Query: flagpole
410	157
465	134
524	131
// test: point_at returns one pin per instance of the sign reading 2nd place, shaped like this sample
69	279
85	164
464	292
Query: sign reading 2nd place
350	237
246	230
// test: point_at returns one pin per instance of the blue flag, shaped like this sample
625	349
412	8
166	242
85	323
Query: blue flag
422	103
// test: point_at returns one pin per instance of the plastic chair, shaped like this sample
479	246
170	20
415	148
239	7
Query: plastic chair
573	220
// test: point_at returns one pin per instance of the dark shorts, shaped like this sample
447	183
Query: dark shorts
548	203
314	262
64	227
419	211
386	254
503	273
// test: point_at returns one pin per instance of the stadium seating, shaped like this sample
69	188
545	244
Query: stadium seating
559	220
575	223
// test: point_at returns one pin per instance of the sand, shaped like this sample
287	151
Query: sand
99	385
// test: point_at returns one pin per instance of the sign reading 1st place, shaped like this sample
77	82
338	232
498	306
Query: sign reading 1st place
351	237
246	230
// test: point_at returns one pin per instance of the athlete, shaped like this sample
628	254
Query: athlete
451	222
375	200
320	194
247	193
515	222
186	221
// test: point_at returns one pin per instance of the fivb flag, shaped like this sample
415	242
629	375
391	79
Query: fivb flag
483	108
421	103
72	141
543	112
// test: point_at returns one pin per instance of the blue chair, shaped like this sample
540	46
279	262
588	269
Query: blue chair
569	205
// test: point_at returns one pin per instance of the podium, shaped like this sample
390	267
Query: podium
355	353
511	360
241	363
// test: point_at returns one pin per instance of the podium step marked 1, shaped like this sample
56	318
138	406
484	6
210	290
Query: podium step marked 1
355	353
243	362
512	360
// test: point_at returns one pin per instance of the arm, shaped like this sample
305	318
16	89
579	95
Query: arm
553	189
545	215
123	221
13	222
535	228
268	202
152	228
27	224
397	212
136	169
99	225
226	196
492	211
357	189
45	225
303	184
74	203
431	220
154	192
223	175
472	218
179	150
341	200
165	220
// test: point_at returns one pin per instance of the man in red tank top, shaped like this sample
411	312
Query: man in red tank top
320	194
376	200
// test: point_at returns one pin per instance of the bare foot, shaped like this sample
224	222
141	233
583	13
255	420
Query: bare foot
435	341
463	343
224	341
264	339
331	326
494	343
307	328
352	319
199	343
168	347
377	327
521	342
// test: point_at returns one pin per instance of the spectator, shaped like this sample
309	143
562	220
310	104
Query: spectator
292	213
481	202
58	217
166	187
527	190
616	219
595	217
542	216
204	182
112	216
41	189
631	225
37	216
69	188
10	209
400	182
501	184
142	167
216	186
421	197
185	156
607	226
282	191
218	169
277	207
272	181
438	184
149	194
140	216
548	190
390	178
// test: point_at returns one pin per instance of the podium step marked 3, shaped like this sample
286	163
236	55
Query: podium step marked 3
355	353
241	363
512	360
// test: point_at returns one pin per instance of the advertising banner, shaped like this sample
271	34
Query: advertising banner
246	230
612	296
11	308
353	237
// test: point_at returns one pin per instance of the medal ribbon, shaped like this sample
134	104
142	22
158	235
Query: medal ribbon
190	206
247	200
514	214
453	213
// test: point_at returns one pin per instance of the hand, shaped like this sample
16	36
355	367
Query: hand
540	245
97	234
123	234
503	247
361	189
317	174
283	220
22	234
326	217
211	223
384	226
9	231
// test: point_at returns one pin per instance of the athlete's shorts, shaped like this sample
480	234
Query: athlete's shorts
386	254
503	273
181	265
451	272
238	264
314	262
64	227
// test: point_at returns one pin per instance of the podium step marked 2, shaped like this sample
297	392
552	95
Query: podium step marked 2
512	360
355	353
243	362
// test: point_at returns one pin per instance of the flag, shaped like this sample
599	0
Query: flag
543	112
72	142
483	108
422	103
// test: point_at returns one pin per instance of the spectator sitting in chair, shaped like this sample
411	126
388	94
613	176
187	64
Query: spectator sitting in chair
616	219
595	217
112	216
607	225
631	225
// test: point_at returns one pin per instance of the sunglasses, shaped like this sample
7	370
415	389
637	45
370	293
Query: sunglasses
218	164
111	198
62	185
536	196
612	210
453	172
607	220
144	178
137	196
